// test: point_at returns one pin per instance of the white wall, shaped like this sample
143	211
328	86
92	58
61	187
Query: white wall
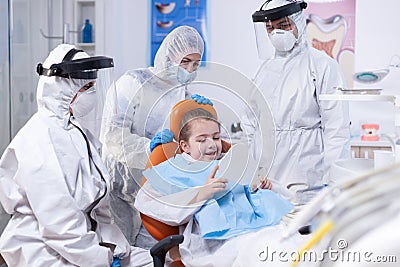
127	33
232	39
377	38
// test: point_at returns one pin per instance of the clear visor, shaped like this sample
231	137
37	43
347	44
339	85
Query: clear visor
264	46
285	24
95	100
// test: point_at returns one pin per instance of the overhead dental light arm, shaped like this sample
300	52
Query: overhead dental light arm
374	76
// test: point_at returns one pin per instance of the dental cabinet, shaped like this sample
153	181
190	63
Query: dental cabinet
71	17
93	10
365	149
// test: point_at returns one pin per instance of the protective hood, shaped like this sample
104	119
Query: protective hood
300	20
180	42
55	93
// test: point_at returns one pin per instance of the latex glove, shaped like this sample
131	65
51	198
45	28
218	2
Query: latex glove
116	263
212	186
201	99
163	137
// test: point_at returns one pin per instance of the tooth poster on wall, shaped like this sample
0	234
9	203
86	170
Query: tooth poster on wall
331	28
167	15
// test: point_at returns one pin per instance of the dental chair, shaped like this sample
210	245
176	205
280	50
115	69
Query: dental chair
160	230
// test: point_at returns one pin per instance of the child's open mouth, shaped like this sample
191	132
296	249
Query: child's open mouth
211	154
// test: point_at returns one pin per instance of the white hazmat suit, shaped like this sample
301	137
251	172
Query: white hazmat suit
145	97
310	134
57	193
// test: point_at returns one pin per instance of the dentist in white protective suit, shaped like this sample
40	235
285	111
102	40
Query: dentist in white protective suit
310	134
52	179
144	97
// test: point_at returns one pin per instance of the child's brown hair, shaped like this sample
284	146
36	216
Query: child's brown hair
189	117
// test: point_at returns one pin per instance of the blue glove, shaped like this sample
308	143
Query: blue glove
165	136
201	99
116	263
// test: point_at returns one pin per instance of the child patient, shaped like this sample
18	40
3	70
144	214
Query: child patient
184	191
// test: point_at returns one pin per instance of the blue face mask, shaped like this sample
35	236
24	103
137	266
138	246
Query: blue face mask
184	76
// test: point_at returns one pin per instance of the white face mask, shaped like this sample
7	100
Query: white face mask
184	76
282	40
84	103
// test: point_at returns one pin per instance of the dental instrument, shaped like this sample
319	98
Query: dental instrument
324	201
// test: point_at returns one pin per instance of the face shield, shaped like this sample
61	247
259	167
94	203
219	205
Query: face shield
274	30
99	101
91	80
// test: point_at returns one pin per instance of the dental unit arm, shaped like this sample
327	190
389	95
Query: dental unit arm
328	198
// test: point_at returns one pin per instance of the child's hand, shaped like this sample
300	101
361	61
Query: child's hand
265	183
212	186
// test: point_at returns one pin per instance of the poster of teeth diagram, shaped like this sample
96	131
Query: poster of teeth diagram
331	28
167	15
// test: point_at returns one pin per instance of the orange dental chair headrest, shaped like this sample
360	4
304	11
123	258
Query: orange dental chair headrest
183	107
